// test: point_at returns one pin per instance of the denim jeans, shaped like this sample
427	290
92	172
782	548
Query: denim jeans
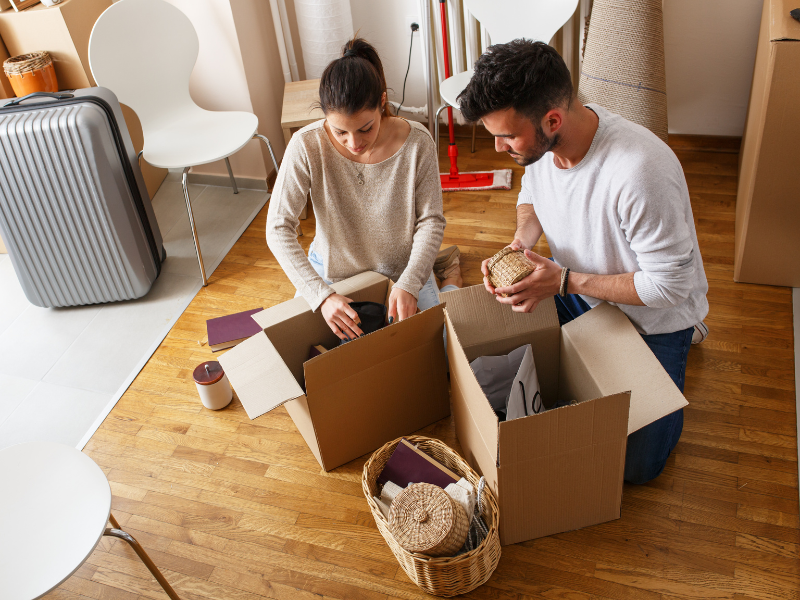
648	448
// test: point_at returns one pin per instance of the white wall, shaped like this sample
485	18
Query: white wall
710	51
383	24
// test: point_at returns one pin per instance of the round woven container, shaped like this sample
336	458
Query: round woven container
508	266
447	575
29	73
425	519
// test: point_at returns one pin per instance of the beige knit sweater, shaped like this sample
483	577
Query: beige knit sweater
392	224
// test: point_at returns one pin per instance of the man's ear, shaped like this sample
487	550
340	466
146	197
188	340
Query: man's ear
553	121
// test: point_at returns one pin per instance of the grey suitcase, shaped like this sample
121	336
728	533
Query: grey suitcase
75	214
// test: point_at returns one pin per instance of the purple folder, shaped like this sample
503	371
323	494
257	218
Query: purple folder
409	465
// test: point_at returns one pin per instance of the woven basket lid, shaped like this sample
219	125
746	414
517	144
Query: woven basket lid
424	518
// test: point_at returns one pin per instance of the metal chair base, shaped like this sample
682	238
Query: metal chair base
151	566
185	184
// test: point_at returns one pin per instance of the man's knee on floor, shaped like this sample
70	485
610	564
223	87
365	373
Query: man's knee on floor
641	469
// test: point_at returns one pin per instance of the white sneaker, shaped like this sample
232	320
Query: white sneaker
700	332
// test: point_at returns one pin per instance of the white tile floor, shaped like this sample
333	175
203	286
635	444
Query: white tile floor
62	370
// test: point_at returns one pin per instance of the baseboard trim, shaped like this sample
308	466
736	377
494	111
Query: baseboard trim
245	183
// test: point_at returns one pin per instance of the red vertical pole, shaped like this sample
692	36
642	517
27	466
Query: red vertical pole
452	150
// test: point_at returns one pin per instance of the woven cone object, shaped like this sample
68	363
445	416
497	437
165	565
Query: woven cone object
508	266
425	519
623	65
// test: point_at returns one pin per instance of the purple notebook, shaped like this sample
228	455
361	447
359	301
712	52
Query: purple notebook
409	465
226	332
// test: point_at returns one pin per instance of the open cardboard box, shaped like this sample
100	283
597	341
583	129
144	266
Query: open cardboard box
561	469
353	398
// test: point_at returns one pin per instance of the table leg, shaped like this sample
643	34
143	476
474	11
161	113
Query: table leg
151	566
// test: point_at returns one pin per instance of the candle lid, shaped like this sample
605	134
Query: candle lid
208	372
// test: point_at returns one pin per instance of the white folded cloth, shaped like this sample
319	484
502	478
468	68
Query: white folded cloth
463	492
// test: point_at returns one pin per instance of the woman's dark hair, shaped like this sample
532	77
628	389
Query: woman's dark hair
530	77
353	82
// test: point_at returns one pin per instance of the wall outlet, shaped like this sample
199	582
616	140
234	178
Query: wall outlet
407	24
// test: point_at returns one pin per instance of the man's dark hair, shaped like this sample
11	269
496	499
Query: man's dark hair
530	77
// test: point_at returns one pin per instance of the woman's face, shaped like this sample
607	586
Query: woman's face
357	132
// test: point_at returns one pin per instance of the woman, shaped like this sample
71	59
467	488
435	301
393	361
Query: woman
374	182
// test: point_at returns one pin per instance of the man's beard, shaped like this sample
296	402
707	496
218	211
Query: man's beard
542	147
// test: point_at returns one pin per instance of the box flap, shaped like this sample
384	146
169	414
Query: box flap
480	434
564	470
478	316
293	328
258	374
618	360
782	27
384	385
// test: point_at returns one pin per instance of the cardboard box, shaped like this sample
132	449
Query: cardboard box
354	398
561	469
63	30
767	207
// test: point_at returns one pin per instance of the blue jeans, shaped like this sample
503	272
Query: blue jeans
648	448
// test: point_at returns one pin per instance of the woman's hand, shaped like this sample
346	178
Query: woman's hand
342	319
401	305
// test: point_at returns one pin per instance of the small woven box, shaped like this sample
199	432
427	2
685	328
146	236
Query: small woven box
425	519
508	266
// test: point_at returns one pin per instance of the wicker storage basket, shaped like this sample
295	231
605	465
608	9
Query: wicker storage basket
29	73
508	266
444	576
425	519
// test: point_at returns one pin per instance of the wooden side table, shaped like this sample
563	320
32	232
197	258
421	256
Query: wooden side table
298	111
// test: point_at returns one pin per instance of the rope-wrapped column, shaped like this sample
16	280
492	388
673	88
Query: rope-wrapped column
623	65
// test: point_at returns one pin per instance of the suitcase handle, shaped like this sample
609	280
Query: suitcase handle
53	95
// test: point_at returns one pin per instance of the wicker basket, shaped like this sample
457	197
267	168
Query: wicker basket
445	576
29	73
508	266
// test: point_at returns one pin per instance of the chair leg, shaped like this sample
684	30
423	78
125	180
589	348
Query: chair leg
436	126
269	147
264	139
474	131
151	566
185	182
230	174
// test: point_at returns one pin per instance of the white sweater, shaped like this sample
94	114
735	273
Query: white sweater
625	208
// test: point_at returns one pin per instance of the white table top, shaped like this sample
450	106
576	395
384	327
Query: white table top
54	505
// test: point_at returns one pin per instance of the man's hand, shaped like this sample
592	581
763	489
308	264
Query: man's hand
525	295
401	305
342	319
517	244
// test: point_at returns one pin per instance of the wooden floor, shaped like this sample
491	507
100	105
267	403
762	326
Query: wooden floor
234	509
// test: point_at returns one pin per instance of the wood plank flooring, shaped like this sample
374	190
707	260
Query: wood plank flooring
234	509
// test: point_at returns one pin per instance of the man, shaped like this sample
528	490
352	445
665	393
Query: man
612	200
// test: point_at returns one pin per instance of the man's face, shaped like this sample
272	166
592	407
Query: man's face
525	141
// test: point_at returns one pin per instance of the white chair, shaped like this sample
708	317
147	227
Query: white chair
144	51
507	20
55	506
